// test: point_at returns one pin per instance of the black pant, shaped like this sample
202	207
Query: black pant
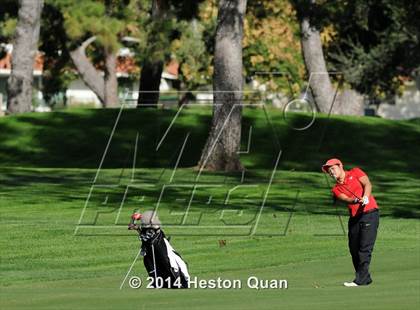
362	236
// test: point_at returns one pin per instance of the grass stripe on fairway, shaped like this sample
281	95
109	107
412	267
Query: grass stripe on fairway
316	284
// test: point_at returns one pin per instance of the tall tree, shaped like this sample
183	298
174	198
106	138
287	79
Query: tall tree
311	16
92	77
93	31
271	39
58	71
319	79
375	44
152	66
102	23
19	84
166	25
221	149
270	42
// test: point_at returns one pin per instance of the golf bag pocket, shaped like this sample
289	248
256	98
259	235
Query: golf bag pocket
164	264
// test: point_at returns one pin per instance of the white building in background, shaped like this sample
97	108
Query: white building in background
5	70
78	93
406	106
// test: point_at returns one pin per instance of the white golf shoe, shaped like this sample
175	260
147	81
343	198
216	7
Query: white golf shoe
350	284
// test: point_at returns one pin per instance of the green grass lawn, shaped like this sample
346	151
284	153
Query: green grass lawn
49	176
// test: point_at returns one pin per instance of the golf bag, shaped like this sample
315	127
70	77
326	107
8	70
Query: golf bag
164	265
162	262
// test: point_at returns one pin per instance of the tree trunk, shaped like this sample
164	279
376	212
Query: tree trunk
19	84
151	72
221	149
90	76
1	105
319	79
348	102
111	82
105	87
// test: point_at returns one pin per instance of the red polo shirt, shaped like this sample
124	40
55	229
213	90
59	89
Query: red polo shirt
352	188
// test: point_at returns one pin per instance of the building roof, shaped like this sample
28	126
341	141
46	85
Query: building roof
126	65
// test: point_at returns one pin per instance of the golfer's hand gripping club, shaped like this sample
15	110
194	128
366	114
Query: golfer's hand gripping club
363	201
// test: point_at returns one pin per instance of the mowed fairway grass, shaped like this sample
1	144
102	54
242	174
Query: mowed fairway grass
64	242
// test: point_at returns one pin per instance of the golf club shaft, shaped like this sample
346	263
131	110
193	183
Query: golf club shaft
350	191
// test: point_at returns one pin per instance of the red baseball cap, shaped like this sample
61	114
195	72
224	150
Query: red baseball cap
331	162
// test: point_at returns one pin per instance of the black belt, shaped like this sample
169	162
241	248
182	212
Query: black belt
371	211
357	216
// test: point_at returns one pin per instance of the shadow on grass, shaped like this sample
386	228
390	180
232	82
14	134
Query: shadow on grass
293	193
79	139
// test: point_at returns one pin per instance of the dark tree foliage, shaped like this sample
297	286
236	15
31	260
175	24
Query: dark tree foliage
376	43
57	73
8	15
162	26
186	9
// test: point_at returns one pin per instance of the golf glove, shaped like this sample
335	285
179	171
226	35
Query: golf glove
365	200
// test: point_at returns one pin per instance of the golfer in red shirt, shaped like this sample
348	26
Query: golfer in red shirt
354	188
